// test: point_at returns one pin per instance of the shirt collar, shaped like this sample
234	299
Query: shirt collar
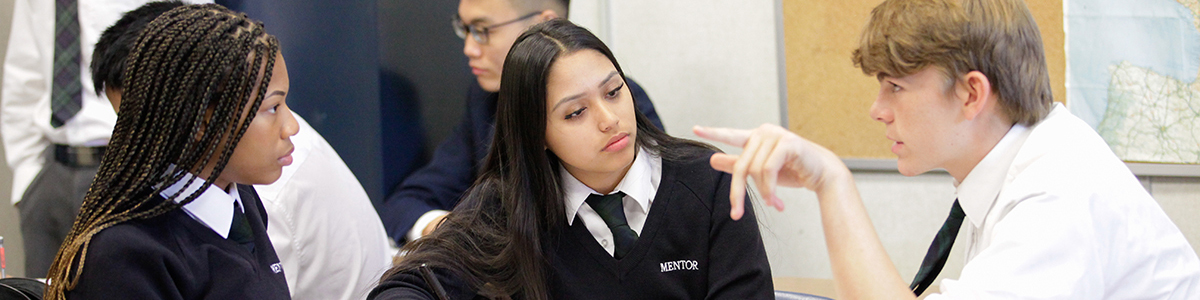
978	191
639	183
213	207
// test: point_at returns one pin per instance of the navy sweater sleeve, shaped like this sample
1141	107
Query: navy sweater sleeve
736	250
411	285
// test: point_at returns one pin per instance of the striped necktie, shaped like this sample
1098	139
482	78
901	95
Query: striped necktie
935	259
613	212
65	92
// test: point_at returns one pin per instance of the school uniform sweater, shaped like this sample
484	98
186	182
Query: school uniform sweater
457	161
689	249
173	256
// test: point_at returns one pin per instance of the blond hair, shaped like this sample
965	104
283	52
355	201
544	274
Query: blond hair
998	38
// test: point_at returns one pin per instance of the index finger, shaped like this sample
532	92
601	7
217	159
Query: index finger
733	137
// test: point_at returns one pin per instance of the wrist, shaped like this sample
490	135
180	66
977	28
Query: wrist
833	182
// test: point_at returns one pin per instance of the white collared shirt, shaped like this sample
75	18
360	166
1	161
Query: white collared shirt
28	66
213	207
640	185
1052	213
322	224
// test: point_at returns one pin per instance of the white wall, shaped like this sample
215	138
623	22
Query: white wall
717	63
695	60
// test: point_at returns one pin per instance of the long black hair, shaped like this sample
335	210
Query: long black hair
187	82
495	238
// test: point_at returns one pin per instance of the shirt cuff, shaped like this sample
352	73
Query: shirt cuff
422	222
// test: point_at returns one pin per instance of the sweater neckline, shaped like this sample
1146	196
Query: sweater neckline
654	220
211	237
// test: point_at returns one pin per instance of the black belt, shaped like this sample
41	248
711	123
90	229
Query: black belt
78	156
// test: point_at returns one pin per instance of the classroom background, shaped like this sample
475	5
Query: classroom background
384	81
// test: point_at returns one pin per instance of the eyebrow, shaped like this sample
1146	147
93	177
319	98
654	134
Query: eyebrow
577	96
276	92
477	21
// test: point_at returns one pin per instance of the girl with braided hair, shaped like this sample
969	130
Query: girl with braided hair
171	214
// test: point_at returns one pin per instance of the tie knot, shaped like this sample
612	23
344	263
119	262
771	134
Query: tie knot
608	206
605	198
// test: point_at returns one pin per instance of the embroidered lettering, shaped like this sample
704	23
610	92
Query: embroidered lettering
277	268
686	265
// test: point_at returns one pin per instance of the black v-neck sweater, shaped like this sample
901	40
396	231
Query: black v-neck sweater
173	256
689	249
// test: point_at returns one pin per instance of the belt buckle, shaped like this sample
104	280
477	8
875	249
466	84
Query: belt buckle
84	156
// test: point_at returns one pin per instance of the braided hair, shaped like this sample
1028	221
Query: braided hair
185	108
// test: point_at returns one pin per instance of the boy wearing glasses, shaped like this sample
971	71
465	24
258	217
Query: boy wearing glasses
488	29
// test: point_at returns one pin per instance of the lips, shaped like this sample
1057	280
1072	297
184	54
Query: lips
477	70
896	147
617	143
286	159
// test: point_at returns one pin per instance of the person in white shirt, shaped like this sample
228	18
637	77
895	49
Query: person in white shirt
53	159
322	225
1051	212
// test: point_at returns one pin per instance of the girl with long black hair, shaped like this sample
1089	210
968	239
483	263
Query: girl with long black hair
581	197
170	214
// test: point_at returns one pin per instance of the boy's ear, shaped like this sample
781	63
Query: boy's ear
547	15
975	91
114	97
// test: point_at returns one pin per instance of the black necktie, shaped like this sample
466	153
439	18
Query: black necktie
240	231
65	92
613	212
935	259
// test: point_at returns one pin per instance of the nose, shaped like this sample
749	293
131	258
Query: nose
290	126
607	118
471	48
879	111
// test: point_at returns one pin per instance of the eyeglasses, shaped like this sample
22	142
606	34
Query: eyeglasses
480	33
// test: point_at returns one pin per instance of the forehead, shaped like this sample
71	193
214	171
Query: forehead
279	72
490	11
579	71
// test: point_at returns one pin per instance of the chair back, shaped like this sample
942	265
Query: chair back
17	288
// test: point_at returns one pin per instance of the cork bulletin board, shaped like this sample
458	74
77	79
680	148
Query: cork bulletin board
828	98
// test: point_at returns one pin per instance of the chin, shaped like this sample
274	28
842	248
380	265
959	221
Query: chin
907	169
266	179
491	86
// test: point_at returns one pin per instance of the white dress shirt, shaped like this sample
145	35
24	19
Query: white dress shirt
640	185
25	101
213	207
323	227
1052	213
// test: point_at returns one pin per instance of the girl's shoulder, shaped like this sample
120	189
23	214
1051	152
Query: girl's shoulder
691	168
689	159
